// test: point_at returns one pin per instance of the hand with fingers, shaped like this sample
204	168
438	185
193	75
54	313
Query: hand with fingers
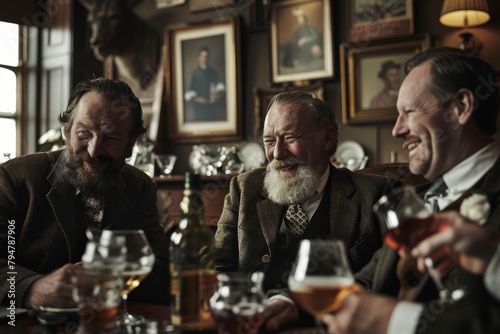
473	244
280	313
361	312
54	289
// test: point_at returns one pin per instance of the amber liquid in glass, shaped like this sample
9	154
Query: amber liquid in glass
411	231
321	295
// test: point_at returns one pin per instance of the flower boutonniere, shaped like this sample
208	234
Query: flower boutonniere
476	207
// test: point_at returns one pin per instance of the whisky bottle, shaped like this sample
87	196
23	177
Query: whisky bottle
193	279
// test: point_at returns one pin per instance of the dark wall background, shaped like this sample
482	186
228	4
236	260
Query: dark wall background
256	69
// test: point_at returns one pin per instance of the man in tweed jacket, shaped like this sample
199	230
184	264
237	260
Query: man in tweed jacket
300	135
49	199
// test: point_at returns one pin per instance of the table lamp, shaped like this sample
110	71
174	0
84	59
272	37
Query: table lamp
465	14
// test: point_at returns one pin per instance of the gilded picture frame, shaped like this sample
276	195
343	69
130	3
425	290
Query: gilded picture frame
301	41
370	20
370	78
204	99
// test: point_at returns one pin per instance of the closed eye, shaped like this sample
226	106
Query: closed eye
83	134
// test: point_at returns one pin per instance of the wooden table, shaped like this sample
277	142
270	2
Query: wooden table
28	324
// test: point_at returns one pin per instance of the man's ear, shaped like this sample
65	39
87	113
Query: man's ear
130	146
331	139
464	102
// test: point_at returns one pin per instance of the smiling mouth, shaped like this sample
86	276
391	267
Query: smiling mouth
287	168
411	146
92	162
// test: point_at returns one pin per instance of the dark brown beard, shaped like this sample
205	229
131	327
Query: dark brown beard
87	181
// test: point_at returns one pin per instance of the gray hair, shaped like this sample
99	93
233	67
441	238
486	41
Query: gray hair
322	112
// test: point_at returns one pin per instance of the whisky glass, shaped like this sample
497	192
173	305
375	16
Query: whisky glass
406	221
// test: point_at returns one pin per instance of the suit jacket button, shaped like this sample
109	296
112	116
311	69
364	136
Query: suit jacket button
265	258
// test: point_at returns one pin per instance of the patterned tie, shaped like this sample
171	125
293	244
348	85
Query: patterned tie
93	210
437	189
296	219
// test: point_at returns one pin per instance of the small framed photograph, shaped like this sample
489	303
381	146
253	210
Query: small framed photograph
301	40
371	77
371	20
262	96
201	5
203	81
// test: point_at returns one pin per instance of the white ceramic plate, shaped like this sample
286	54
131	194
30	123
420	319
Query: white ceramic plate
350	155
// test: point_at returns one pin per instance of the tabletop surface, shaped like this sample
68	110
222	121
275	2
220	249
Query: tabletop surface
26	323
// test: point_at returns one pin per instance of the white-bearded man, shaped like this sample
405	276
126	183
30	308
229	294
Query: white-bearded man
254	233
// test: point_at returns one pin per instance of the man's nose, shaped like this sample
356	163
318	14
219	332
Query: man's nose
280	150
95	146
400	127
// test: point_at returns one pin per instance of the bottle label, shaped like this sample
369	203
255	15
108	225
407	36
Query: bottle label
191	291
208	285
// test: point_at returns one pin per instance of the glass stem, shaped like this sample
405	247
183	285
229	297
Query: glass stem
319	324
124	310
445	294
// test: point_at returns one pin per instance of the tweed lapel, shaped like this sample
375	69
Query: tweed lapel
343	213
65	212
61	198
270	215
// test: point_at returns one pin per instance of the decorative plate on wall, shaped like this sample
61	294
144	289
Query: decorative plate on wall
350	155
253	156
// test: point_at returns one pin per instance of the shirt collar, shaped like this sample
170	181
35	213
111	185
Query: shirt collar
468	172
323	180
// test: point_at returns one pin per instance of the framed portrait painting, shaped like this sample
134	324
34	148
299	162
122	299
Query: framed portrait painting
371	77
301	40
371	20
203	81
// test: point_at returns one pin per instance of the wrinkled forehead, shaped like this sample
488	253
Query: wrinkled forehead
286	115
104	109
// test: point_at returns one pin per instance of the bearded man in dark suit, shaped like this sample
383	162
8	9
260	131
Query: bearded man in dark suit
448	107
254	232
51	198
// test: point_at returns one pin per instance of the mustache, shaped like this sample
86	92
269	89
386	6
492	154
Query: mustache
277	164
79	159
104	159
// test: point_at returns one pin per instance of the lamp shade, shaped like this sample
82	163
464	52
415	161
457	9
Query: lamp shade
464	13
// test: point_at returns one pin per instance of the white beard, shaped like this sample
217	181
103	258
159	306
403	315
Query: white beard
286	190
